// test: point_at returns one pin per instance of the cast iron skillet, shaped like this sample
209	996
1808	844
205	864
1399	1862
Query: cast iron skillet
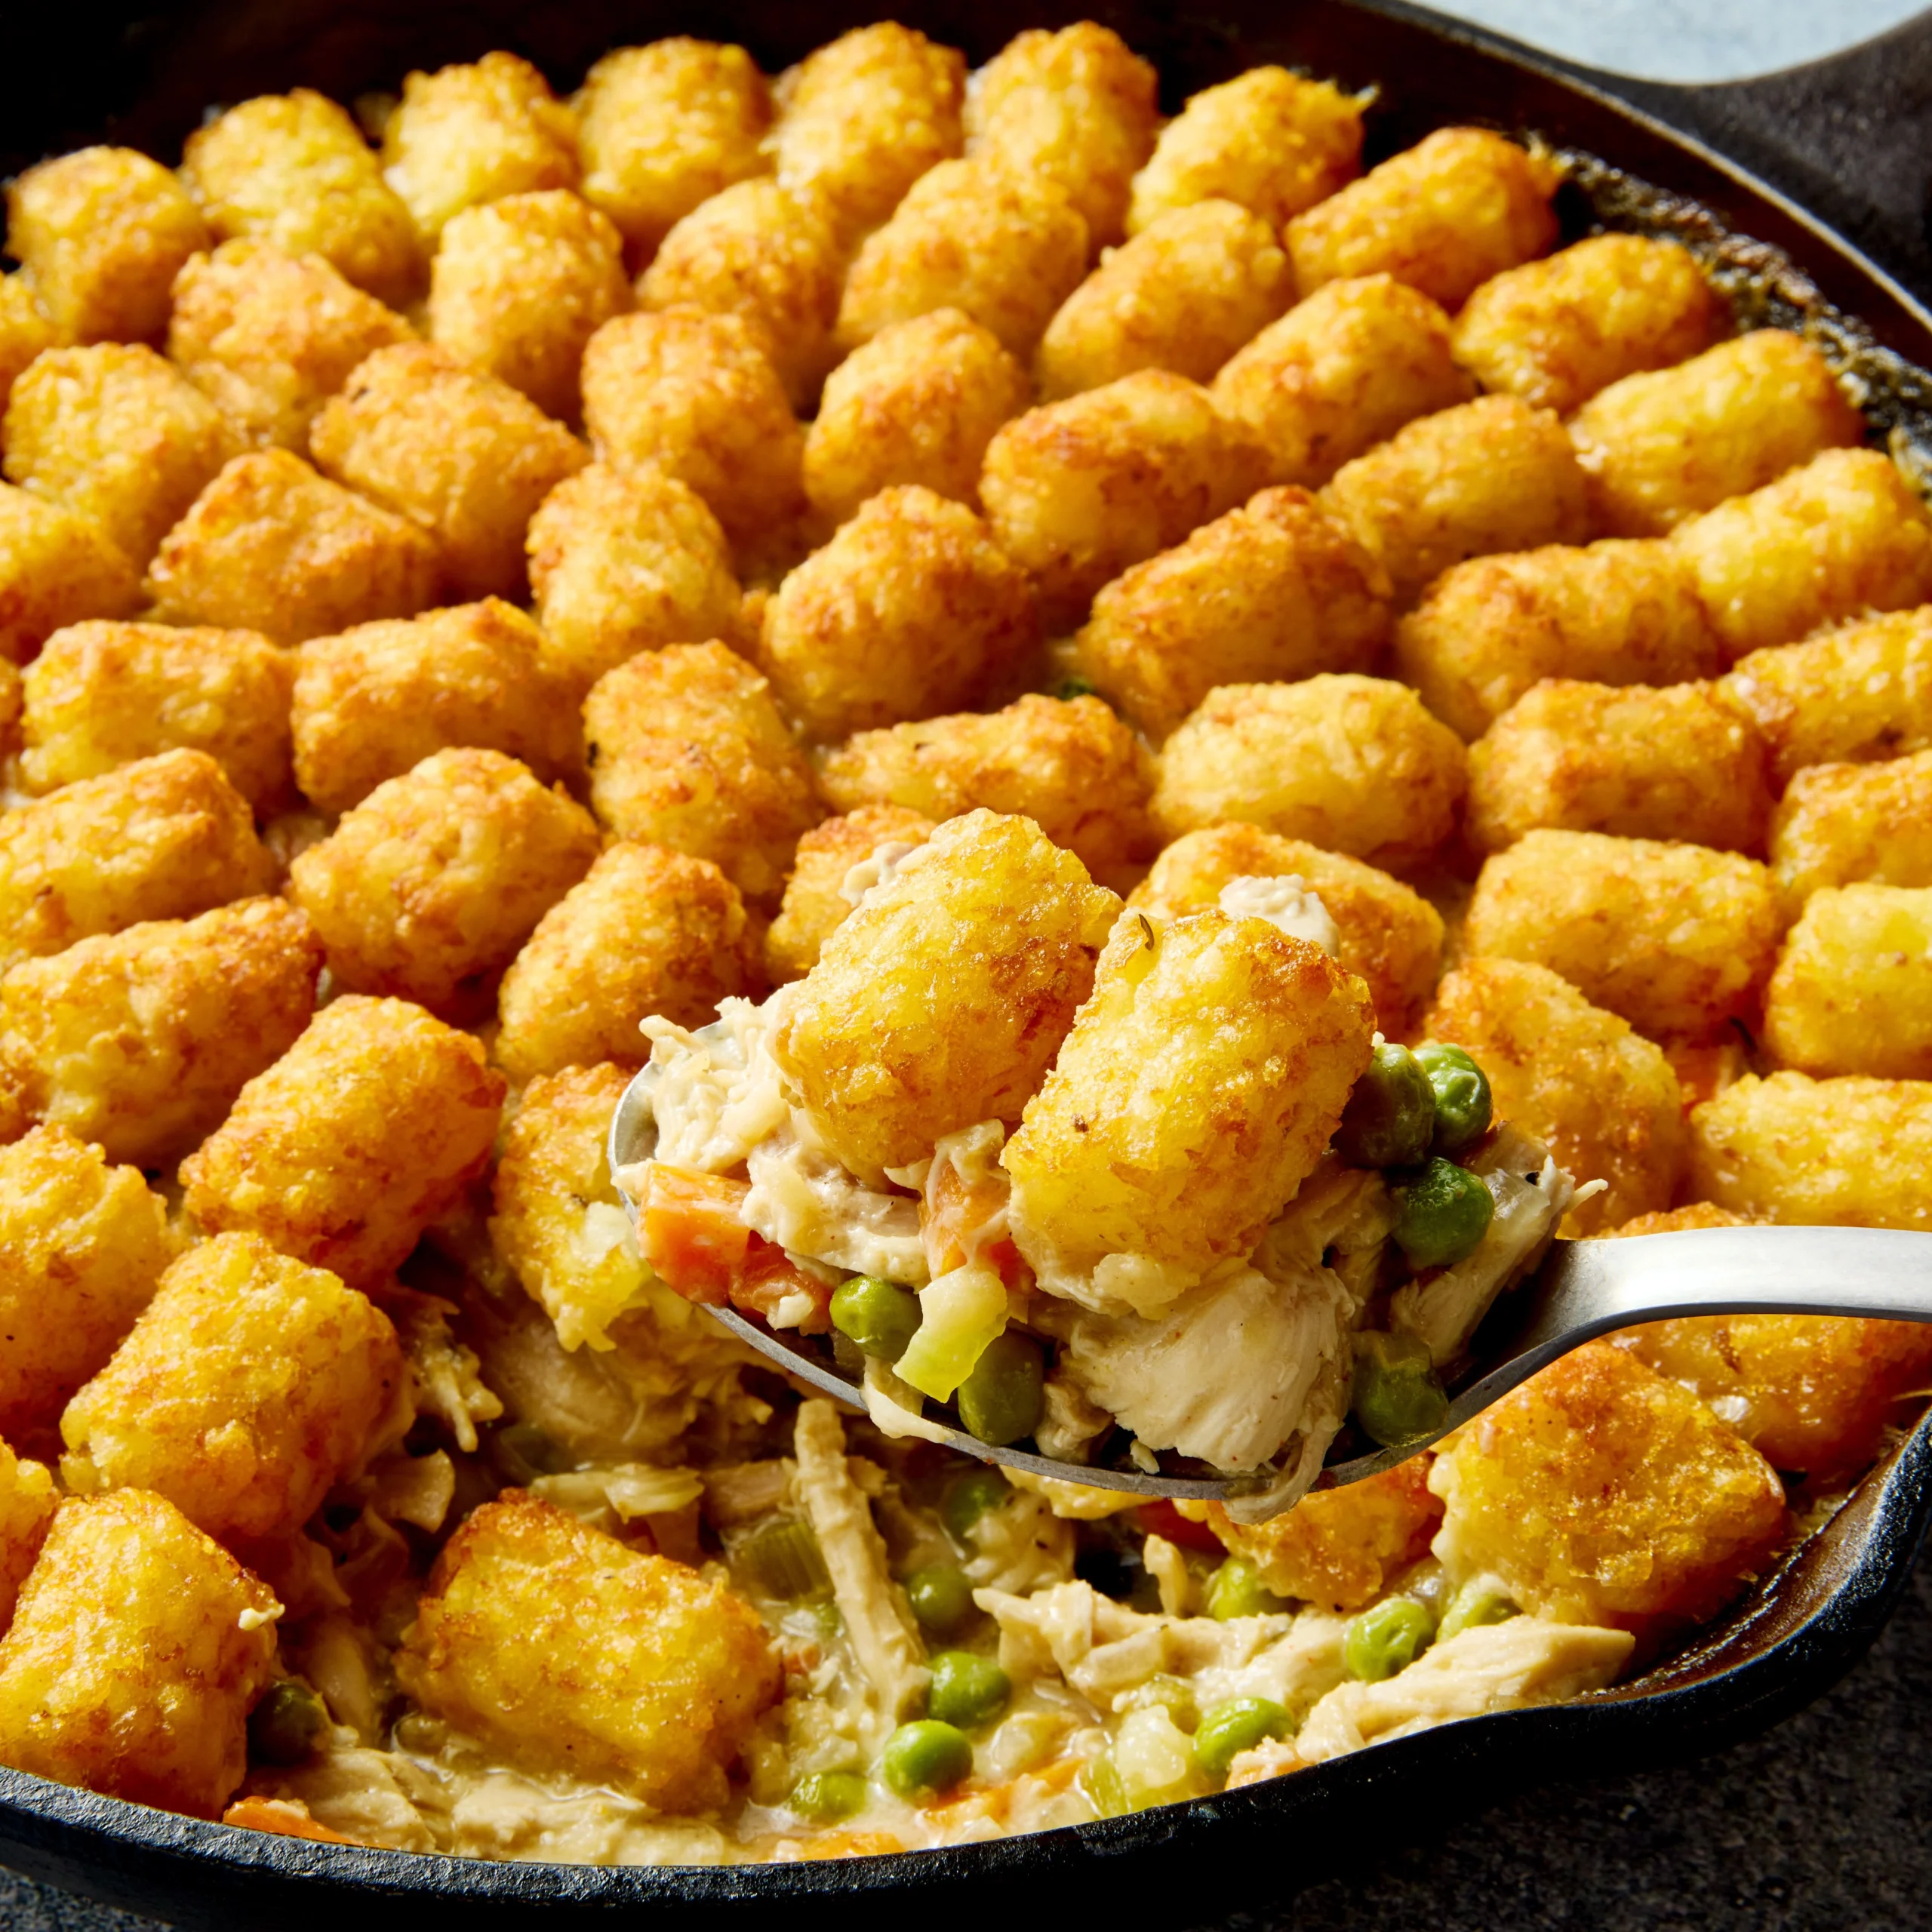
1853	138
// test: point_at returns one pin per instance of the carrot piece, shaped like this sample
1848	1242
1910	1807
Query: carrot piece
283	1816
690	1233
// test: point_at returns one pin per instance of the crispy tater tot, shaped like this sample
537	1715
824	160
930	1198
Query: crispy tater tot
27	1504
1070	765
1677	762
246	1388
663	128
1351	763
1555	332
1838	824
83	1245
1077	491
519	285
427	888
1391	936
1600	1097
1462	205
695	395
456	450
1006	249
24	330
117	434
1489	475
293	170
137	1650
195	1010
57	567
1677	938
1660	446
371	702
271	546
623	561
1852	990
917	403
164	838
269	338
863	117
1274	591
941	1001
1616	613
1271	140
366	1129
815	902
686	749
1845	534
647	930
99	235
1078	107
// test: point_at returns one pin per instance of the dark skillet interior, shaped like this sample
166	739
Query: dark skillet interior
75	71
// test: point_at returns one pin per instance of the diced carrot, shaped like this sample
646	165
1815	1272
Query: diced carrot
690	1231
847	1845
769	1277
284	1816
953	1215
1160	1518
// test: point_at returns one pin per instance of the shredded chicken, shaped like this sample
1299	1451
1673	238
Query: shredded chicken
716	1092
504	1815
804	1200
370	1796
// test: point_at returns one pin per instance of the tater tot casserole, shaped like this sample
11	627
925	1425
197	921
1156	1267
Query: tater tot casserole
1164	750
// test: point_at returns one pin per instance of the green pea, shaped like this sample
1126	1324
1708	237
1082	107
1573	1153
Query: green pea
878	1314
1476	1602
1227	1730
971	1497
1390	1117
1235	1589
968	1689
941	1598
1462	1103
1442	1214
1000	1402
1386	1638
827	1795
924	1757
286	1726
1398	1398
1072	688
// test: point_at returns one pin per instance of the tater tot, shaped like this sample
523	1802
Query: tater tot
941	1001
1070	765
115	432
57	567
27	1504
571	1651
1391	936
1616	613
1845	535
1852	990
1273	141
366	1129
1272	591
268	337
99	235
1006	249
1555	332
663	128
647	930
1600	1097
164	838
1078	107
1077	491
371	702
271	546
1677	762
695	395
24	330
194	1010
1839	824
1340	372
815	902
427	888
623	561
293	170
861	117
686	749
1676	938
1351	763
454	450
1660	446
1196	1091
917	403
82	1245
1460	206
519	285
465	135
1489	475
137	1648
